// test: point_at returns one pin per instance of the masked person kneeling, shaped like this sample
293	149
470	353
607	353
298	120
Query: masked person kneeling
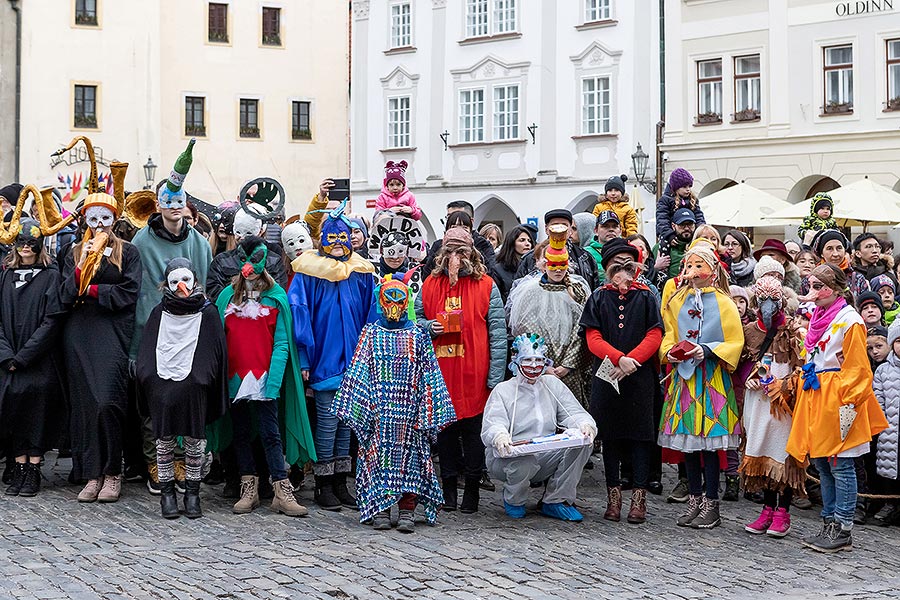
532	405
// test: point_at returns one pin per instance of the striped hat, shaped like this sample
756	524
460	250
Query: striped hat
557	254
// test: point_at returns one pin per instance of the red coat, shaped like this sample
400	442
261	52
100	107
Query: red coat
464	356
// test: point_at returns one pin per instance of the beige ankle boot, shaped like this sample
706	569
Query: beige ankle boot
284	501
249	495
111	490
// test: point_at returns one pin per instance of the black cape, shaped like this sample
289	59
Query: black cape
226	265
628	414
184	408
32	406
95	343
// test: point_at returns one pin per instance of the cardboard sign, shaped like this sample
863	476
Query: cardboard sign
410	227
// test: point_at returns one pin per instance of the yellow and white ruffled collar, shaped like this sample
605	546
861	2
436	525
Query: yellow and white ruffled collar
315	265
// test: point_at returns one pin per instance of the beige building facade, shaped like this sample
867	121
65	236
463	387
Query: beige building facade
790	96
263	86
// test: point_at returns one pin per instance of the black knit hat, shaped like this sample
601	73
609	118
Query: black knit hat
11	192
615	247
826	236
616	182
869	298
558	213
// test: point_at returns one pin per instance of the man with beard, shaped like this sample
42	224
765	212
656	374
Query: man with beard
683	224
772	346
461	306
535	404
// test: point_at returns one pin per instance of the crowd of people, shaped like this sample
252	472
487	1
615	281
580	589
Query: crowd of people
179	349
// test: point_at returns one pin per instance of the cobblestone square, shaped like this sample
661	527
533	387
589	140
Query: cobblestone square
53	547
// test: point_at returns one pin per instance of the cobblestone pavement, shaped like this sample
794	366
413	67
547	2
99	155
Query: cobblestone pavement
52	547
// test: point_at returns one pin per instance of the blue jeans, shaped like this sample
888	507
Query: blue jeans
267	424
838	484
332	436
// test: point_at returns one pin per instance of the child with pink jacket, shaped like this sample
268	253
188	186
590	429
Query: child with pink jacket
395	196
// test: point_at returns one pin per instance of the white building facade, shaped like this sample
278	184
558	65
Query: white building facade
516	106
262	85
791	96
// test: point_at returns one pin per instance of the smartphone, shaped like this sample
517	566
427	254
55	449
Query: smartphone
341	189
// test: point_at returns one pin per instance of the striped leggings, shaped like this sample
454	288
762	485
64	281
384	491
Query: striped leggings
194	449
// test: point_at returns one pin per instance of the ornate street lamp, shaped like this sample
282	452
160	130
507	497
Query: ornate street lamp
149	173
639	163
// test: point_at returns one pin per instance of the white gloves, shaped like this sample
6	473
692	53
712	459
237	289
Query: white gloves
588	430
503	443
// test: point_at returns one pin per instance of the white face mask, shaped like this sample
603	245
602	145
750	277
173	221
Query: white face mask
99	216
180	275
246	225
295	239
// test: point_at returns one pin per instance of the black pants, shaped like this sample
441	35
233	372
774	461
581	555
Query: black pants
696	472
782	500
616	451
460	449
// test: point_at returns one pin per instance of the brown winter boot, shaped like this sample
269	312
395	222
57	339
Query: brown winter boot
638	512
249	495
613	504
284	501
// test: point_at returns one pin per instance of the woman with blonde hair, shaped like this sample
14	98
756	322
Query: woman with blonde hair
492	233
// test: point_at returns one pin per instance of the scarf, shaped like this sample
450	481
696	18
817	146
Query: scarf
821	319
177	305
743	268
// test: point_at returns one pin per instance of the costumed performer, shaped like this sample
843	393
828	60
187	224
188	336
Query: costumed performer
703	341
330	297
181	375
836	413
394	398
531	405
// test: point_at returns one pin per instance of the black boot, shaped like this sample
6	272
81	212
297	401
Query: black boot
32	482
339	486
10	470
168	501
192	499
471	495
449	485
325	497
16	478
732	488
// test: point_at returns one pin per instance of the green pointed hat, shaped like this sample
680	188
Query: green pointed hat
172	195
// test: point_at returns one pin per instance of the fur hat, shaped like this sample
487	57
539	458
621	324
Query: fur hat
680	178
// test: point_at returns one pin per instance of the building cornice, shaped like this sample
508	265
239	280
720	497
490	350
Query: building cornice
782	140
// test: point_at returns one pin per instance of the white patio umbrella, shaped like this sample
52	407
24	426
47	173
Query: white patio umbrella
743	205
862	202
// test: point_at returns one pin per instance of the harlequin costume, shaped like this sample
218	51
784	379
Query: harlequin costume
181	377
32	406
471	353
263	375
700	413
772	353
620	319
330	297
552	310
394	398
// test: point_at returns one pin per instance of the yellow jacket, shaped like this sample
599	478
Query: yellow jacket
314	219
627	215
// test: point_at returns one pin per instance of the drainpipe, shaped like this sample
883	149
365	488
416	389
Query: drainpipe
16	6
661	125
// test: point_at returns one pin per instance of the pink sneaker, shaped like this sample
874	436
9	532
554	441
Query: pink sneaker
761	524
781	524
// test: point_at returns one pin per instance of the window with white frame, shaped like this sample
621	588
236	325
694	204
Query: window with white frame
399	122
471	115
838	69
506	112
488	17
746	88
595	105
401	25
597	10
893	74
709	91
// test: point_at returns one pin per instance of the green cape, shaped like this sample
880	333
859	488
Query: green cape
296	434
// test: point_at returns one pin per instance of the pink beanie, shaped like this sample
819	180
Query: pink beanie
394	170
